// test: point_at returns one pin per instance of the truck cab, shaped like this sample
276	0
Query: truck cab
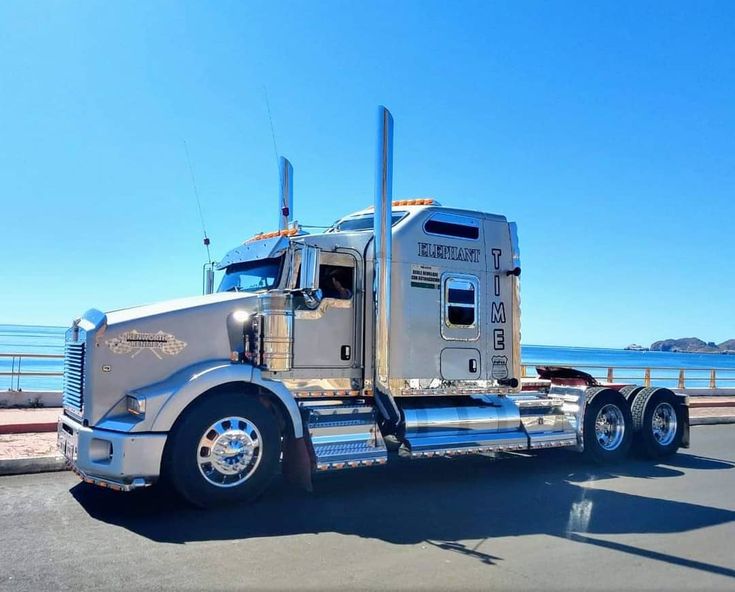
395	332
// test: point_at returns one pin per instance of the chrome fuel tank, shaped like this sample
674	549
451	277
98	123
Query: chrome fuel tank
275	311
484	422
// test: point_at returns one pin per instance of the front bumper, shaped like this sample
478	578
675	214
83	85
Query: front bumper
117	460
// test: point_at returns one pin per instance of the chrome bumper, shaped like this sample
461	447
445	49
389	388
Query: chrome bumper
117	460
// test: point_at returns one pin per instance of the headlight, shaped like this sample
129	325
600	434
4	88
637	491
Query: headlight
136	405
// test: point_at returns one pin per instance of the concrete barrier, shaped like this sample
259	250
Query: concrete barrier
30	399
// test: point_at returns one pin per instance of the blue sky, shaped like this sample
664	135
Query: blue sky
606	130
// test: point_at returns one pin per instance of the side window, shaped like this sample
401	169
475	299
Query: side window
336	281
460	307
452	225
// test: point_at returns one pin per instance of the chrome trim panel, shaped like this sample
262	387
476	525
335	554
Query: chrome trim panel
516	304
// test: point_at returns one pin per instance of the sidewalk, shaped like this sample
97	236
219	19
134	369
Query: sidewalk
28	436
21	421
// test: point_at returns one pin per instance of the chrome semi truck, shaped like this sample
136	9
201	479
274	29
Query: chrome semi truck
393	334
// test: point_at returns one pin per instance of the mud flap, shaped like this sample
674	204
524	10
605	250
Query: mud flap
298	463
685	431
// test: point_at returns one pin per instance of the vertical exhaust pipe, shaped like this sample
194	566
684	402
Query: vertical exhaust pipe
285	199
382	246
382	256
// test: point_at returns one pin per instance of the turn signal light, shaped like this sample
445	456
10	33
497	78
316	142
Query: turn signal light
414	202
275	233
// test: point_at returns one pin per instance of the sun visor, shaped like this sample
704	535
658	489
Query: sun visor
254	250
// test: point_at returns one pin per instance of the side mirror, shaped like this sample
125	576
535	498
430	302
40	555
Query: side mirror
309	280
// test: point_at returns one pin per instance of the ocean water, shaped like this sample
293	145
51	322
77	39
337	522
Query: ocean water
665	366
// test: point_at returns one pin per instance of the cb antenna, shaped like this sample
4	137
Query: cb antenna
285	206
199	202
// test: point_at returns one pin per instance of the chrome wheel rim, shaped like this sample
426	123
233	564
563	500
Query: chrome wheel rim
664	424
609	427
229	451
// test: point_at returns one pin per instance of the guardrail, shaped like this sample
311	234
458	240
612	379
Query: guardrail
17	364
714	377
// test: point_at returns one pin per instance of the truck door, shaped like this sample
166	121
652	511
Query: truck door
325	337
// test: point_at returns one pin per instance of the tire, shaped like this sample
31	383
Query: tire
658	422
609	440
630	391
241	438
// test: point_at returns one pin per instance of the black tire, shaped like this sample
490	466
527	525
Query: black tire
181	466
630	391
650	401
615	448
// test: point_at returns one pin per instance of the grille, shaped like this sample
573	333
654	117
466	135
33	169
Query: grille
74	376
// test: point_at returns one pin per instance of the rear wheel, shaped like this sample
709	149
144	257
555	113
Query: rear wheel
630	391
607	425
225	449
658	421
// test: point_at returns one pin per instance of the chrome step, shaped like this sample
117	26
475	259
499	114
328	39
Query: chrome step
344	436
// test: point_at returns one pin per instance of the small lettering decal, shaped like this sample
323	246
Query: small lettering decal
425	276
437	251
498	312
499	369
133	342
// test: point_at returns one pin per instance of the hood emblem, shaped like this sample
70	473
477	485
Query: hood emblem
133	342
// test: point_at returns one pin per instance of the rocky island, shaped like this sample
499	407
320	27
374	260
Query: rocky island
694	345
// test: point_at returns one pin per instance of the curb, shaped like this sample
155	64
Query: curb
695	421
36	464
28	428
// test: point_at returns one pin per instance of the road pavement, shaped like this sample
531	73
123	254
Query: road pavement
549	522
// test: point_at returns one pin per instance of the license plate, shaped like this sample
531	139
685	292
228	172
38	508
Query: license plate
67	444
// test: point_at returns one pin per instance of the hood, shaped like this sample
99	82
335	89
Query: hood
124	315
134	347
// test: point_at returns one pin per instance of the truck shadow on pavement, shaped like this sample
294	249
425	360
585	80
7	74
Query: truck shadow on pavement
439	502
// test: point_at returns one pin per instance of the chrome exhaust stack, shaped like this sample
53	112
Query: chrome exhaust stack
382	257
382	247
285	198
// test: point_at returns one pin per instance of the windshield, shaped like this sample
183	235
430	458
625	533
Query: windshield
364	222
251	276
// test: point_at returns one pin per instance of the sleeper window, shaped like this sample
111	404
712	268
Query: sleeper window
460	307
460	302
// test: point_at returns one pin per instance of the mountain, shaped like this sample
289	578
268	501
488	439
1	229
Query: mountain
693	345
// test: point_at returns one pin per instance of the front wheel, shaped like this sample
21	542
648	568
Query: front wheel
225	449
607	425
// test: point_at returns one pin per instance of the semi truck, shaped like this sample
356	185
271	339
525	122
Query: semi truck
394	334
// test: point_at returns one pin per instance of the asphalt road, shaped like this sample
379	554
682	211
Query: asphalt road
549	522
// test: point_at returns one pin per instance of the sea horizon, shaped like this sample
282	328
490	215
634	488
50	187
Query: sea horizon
49	339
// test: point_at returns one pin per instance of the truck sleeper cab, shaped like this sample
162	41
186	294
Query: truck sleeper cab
396	331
